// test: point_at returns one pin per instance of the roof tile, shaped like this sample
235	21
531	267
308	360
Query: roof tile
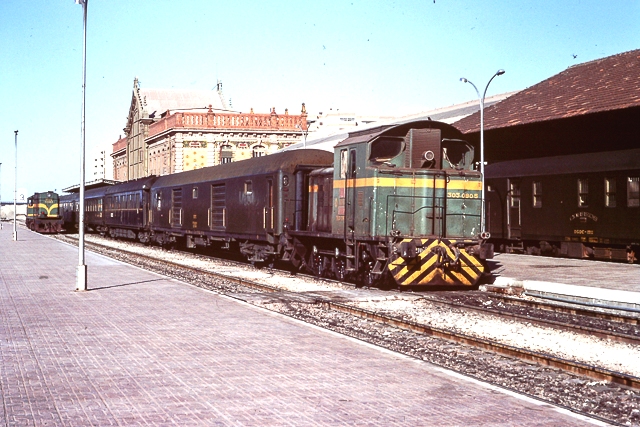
601	85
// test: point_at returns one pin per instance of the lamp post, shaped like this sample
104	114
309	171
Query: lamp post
483	231
304	134
15	192
81	273
0	195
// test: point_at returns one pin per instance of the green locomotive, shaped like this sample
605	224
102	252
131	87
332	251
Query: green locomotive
401	204
43	213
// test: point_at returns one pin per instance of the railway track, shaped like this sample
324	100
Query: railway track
613	327
329	302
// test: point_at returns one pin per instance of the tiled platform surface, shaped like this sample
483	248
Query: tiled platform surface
595	281
138	349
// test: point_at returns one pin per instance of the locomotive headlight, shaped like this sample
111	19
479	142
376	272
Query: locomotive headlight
428	155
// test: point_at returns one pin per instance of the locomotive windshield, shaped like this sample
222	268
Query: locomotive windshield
385	148
457	154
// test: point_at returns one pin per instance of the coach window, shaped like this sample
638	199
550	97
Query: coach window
514	189
633	192
194	193
583	193
537	194
610	192
248	187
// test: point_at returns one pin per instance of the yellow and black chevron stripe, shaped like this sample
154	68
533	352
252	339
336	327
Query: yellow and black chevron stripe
423	269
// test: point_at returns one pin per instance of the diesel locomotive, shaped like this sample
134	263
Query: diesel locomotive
43	213
578	206
394	205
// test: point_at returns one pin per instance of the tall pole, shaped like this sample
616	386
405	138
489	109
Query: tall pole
304	135
0	195
81	282
483	230
15	193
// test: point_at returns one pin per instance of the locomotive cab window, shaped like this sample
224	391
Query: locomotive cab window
384	149
457	154
343	163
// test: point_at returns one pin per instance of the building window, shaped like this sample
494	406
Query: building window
226	154
259	151
633	192
583	193
537	194
610	192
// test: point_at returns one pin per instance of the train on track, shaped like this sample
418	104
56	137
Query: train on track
43	213
392	206
578	206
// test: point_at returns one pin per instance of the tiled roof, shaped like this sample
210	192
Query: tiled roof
611	83
161	100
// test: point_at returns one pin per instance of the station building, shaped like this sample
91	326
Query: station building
588	108
170	131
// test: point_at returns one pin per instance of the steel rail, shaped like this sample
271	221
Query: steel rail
587	330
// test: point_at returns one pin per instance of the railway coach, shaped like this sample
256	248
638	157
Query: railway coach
578	206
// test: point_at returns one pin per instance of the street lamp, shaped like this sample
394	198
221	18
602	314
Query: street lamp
483	231
304	134
81	273
0	195
15	192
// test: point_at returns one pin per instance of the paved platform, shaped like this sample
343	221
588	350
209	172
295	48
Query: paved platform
138	349
599	282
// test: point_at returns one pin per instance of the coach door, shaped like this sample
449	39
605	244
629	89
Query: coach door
514	229
176	208
269	209
351	196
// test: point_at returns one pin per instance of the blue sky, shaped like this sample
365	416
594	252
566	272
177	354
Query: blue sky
368	57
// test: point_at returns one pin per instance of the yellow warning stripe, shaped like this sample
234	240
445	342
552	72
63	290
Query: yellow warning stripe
410	182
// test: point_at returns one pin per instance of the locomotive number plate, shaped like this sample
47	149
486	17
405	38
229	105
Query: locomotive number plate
452	195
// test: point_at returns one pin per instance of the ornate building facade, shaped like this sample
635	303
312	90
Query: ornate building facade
171	131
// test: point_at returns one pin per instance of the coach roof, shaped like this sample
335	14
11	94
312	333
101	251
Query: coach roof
287	160
560	165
